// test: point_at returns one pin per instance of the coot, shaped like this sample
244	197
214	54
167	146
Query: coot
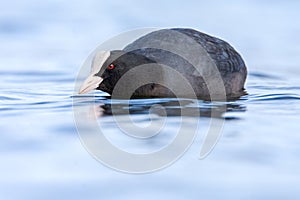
177	62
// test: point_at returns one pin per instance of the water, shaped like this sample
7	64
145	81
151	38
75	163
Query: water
42	47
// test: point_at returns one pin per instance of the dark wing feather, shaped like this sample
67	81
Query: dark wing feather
224	55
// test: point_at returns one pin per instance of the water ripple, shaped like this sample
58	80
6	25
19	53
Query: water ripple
262	75
274	97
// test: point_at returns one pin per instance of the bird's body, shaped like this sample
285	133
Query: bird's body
197	57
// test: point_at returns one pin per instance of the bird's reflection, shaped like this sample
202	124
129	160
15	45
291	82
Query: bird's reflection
170	107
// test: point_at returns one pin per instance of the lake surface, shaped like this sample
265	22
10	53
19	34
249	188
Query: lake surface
43	46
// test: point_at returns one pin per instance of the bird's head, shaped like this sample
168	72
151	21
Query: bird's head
108	67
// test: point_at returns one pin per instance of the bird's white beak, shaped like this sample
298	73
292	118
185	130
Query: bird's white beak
91	83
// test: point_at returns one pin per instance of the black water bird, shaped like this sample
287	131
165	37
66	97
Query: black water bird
197	60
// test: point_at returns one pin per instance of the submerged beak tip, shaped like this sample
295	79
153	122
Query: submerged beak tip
90	84
80	92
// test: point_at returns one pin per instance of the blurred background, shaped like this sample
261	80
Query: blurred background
54	32
44	43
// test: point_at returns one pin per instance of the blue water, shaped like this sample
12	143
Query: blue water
43	45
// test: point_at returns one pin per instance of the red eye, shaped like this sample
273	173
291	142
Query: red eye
111	66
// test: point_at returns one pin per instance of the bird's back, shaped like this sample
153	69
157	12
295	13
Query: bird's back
227	59
179	48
